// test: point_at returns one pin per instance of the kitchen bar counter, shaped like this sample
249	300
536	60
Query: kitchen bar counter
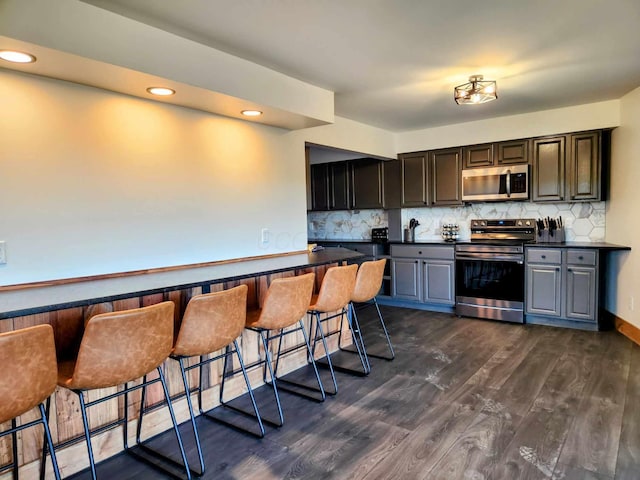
66	304
29	301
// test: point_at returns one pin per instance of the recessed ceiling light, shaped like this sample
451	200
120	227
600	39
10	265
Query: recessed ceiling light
16	57
251	113
161	91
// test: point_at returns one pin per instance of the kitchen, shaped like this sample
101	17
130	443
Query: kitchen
104	186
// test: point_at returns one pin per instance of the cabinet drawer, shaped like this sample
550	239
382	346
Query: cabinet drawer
423	251
582	257
544	255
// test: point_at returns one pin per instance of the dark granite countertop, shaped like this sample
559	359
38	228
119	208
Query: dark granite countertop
28	301
597	245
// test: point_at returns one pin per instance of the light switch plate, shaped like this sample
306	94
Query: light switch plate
3	252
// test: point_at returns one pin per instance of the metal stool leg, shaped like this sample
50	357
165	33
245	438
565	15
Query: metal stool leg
87	433
48	444
358	341
192	417
319	329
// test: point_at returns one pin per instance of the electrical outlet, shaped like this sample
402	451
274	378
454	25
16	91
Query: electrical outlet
265	236
631	303
3	253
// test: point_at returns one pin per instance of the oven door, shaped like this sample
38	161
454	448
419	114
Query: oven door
490	285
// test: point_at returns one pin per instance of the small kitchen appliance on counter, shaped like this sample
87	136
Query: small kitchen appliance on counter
490	269
380	235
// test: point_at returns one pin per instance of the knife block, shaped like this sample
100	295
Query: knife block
544	236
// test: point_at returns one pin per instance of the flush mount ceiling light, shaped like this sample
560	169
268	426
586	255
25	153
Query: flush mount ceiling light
476	91
251	113
161	91
16	57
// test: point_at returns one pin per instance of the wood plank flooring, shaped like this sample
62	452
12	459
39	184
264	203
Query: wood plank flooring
464	399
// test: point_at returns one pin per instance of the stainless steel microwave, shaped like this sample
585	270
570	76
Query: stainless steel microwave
496	183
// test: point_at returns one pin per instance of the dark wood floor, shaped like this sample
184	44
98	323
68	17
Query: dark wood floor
464	399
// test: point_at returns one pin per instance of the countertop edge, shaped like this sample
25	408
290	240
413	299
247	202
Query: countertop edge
16	303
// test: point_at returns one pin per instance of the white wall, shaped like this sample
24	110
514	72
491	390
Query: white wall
622	224
96	182
548	122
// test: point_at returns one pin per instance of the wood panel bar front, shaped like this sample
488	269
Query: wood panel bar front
68	326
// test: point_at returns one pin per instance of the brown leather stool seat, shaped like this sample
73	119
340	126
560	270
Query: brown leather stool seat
334	296
368	284
284	306
117	348
27	380
211	322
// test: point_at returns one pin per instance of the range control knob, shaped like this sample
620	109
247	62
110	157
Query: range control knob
519	223
528	223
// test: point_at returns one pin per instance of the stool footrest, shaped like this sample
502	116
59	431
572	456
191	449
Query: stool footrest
209	415
159	461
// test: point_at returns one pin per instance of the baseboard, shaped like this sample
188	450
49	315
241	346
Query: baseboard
627	329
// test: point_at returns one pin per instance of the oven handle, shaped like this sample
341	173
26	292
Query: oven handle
498	257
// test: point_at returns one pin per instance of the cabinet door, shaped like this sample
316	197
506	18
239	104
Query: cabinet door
584	167
513	153
367	183
319	174
543	290
581	293
340	186
548	169
438	282
446	177
405	275
478	155
392	188
414	179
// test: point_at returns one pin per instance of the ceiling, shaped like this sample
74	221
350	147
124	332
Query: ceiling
393	63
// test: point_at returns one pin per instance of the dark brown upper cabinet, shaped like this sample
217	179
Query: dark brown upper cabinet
392	183
514	152
476	156
352	184
330	186
414	174
549	158
446	176
569	167
339	186
431	178
319	177
367	189
584	167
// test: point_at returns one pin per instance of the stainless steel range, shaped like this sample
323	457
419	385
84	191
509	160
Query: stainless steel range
490	269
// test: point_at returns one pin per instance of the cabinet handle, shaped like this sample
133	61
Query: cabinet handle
543	256
569	269
419	252
580	257
557	269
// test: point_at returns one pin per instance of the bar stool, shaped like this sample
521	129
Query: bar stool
334	295
27	380
211	322
117	348
284	305
368	284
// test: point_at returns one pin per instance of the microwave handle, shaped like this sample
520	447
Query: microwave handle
508	183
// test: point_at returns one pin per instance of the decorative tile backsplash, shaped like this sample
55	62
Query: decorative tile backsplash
584	222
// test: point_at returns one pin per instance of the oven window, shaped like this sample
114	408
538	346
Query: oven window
485	184
497	280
